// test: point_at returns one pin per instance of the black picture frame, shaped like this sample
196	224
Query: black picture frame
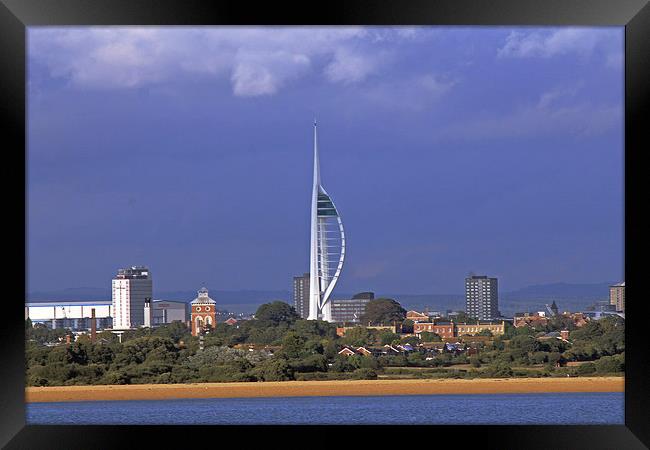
634	15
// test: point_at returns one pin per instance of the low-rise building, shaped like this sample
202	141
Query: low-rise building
474	328
530	319
346	351
452	329
442	329
168	311
416	316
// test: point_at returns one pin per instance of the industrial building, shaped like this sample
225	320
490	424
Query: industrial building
70	314
75	314
168	311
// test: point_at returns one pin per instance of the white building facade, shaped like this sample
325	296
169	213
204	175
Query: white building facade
72	314
327	247
131	288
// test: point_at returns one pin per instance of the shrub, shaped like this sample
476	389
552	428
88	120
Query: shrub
364	374
274	369
609	364
586	369
499	370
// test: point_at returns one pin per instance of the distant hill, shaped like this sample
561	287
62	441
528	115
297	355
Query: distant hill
591	291
83	293
568	296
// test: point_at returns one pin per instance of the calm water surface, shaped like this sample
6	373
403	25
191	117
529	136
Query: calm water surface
564	408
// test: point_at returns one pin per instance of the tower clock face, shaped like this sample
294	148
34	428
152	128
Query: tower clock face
207	308
198	308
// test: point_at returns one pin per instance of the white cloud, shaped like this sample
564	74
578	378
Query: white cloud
557	95
351	67
262	74
556	112
414	93
257	61
582	42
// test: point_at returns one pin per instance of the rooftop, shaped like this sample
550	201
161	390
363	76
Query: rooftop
133	272
70	303
203	298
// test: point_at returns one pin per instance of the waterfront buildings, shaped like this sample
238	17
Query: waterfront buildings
417	316
301	295
327	246
203	312
536	319
168	311
351	310
617	296
452	329
481	297
72	314
131	288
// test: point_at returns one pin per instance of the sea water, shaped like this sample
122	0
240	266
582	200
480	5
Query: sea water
547	408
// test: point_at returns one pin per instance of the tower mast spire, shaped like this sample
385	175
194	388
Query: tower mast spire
327	249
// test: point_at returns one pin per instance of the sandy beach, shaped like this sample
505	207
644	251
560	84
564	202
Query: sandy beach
324	388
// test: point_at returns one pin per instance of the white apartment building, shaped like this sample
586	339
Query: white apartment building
131	286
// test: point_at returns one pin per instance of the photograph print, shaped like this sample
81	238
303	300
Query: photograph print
325	225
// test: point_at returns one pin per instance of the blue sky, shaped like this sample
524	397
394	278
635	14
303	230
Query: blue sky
447	150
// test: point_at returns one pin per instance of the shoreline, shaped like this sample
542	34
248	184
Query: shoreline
323	388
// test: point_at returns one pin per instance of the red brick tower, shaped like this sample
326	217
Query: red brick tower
203	312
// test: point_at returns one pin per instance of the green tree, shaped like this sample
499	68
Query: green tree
330	349
587	368
499	370
610	364
314	328
175	331
383	311
411	340
415	359
358	337
387	337
407	326
275	313
293	345
310	363
428	336
343	364
274	369
364	374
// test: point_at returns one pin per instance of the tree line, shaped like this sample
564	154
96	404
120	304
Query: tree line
304	350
